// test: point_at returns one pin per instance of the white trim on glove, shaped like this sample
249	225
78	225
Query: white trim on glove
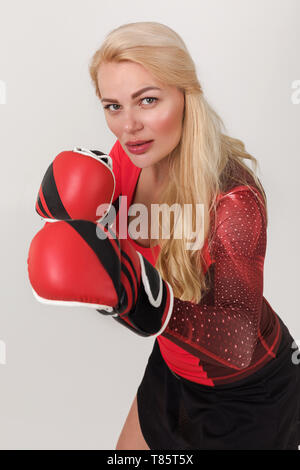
156	302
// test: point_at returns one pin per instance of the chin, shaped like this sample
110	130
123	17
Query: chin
141	162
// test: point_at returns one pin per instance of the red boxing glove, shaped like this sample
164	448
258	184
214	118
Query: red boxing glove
78	262
75	184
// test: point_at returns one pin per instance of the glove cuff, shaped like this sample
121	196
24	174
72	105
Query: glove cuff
152	311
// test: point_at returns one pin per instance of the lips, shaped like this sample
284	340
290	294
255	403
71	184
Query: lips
138	142
138	149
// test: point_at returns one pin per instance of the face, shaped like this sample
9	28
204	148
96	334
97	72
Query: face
153	115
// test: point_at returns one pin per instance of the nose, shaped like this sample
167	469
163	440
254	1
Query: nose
131	123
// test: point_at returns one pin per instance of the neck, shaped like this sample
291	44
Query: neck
160	171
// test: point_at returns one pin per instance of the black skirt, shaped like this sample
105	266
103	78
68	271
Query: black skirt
261	411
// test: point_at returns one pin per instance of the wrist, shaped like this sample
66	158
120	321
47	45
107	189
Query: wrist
153	308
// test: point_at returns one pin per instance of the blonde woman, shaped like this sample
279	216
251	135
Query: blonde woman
222	374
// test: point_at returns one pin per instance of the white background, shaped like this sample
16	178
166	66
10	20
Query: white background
71	374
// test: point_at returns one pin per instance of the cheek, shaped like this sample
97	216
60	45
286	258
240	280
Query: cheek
167	122
114	126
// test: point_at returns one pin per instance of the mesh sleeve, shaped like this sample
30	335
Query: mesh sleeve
223	328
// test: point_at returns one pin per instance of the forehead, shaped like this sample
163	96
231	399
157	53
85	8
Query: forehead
114	75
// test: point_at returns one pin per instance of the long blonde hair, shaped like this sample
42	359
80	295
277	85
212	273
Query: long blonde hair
203	164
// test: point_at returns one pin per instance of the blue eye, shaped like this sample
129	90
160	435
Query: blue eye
150	98
108	105
147	98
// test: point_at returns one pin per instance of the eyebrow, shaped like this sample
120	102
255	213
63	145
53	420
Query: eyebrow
134	95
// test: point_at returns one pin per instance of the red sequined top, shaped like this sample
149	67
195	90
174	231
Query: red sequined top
233	331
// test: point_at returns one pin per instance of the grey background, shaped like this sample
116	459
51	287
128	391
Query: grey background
71	374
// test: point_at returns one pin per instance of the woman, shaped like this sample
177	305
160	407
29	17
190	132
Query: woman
223	374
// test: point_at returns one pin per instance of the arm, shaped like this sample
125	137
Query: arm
222	328
71	263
